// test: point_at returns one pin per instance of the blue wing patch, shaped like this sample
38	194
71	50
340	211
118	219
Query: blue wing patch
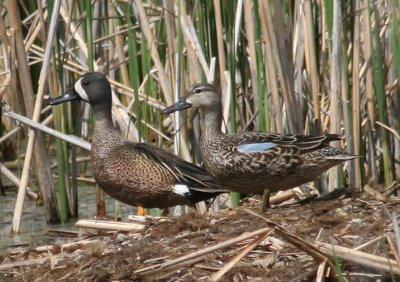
255	147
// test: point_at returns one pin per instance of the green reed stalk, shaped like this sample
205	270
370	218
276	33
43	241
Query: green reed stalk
263	106
88	33
395	44
378	76
134	70
67	126
62	166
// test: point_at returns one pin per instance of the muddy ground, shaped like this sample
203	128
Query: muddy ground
116	256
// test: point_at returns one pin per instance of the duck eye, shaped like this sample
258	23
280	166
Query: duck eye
197	90
85	82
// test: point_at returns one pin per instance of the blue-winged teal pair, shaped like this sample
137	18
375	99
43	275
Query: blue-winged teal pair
140	174
250	162
137	174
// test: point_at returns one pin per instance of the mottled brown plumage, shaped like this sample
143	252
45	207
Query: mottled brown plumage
250	162
137	174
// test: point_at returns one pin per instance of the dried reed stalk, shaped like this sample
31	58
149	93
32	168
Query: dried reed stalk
355	137
69	138
360	258
310	60
335	111
109	225
17	182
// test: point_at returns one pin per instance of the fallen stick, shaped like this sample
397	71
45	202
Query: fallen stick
320	272
24	262
64	247
86	179
374	193
393	249
366	244
80	178
359	257
109	225
206	250
281	197
69	138
64	233
171	267
16	181
251	246
9	134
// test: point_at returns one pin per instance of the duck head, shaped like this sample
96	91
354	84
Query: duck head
92	87
201	96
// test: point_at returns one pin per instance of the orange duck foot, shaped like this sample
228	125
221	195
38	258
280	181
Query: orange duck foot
141	211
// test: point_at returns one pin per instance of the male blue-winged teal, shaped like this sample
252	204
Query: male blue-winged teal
250	162
137	174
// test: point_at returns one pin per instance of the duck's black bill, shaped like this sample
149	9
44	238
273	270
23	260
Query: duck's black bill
178	106
68	96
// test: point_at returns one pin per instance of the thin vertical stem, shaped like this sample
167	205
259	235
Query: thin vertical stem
355	176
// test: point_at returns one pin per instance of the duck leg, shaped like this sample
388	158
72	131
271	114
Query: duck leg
265	204
141	211
165	212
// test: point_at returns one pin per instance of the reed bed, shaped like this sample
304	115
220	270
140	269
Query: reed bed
299	67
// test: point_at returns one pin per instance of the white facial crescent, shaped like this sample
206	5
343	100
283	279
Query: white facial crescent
79	89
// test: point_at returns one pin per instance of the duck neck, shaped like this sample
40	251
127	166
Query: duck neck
212	120
103	121
103	115
105	134
102	111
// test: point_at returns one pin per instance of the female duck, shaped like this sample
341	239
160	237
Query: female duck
250	162
136	174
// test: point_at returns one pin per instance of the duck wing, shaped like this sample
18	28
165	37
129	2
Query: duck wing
253	142
183	172
260	152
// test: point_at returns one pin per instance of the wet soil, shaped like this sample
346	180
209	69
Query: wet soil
116	256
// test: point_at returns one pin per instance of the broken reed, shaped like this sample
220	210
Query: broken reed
283	66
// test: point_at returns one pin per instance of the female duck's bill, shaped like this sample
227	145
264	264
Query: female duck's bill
180	105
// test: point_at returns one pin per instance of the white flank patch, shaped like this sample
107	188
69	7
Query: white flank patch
255	147
181	189
79	89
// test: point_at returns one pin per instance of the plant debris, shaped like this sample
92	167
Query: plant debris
351	237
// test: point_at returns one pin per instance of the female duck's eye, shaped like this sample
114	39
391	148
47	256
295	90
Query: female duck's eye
197	90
